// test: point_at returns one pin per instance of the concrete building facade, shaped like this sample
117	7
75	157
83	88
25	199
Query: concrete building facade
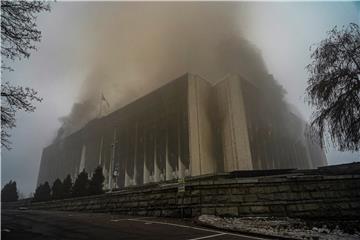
188	127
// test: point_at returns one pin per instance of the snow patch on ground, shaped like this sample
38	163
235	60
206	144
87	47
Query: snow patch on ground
278	227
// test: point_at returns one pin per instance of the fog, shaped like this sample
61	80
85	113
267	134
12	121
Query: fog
132	55
124	50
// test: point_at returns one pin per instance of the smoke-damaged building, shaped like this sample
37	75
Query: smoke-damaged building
188	127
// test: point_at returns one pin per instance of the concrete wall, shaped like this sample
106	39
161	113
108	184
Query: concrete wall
296	194
233	125
201	132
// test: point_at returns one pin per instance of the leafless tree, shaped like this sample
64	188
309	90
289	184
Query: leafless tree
334	87
18	35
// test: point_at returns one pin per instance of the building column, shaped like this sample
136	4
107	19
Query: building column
110	175
236	145
156	167
100	154
112	162
168	168
135	156
146	170
82	159
181	167
127	179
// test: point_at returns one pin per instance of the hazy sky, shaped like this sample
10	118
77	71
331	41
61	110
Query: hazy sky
72	32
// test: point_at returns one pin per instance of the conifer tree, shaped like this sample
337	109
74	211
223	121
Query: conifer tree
96	182
57	190
42	193
81	185
9	192
67	186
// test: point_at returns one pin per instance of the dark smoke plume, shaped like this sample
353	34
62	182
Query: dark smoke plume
140	46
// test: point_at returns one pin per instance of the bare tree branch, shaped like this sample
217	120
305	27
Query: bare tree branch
19	34
334	87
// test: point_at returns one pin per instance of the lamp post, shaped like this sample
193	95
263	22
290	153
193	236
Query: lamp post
112	172
115	175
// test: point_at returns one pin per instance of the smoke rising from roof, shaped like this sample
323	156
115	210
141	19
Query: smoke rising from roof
135	47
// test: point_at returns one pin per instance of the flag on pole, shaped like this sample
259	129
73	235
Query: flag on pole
104	99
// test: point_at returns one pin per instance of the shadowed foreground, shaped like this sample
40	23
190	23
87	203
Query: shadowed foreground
30	224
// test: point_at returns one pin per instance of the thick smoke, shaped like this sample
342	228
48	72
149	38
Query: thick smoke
137	47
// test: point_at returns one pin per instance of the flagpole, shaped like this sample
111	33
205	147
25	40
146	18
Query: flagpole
100	107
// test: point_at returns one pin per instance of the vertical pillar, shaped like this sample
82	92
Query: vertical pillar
135	155
181	167
127	133
113	145
75	174
82	159
127	179
146	170
156	166
236	146
194	138
168	167
110	176
100	153
201	131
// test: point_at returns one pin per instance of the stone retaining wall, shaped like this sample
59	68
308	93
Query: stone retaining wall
292	195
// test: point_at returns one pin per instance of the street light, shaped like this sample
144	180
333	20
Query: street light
115	174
